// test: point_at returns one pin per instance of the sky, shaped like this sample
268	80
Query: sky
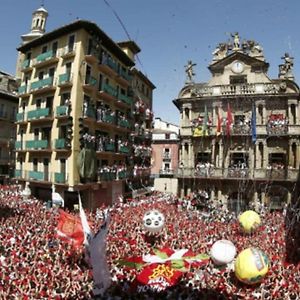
169	33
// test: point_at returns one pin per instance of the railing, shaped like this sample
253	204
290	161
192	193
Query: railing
18	173
240	173
109	89
166	172
41	83
90	80
237	89
107	175
60	143
110	147
61	110
277	130
37	175
44	56
64	78
18	145
122	175
109	119
22	89
124	123
36	144
125	99
67	49
240	130
38	113
20	117
60	177
125	75
25	64
109	62
124	149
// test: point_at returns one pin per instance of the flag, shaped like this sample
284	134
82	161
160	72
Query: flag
253	123
229	120
197	132
69	228
85	225
205	121
101	274
57	199
219	123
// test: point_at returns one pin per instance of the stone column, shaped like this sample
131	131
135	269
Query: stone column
297	156
290	119
264	117
220	154
263	197
265	155
191	156
289	198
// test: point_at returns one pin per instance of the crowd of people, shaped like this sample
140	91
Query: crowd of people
36	264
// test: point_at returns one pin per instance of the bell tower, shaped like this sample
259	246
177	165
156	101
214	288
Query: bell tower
38	25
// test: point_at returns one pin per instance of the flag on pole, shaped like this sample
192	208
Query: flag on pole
229	120
69	228
205	121
101	274
219	123
253	123
85	225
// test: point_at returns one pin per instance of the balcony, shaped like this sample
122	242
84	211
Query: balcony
125	75
124	149
39	176
110	90
18	173
90	82
108	65
38	113
22	90
18	145
60	144
121	175
60	178
166	156
45	58
65	79
123	123
277	129
36	144
68	51
125	99
109	119
240	129
25	65
168	172
237	89
276	173
106	175
61	111
20	117
238	173
110	147
42	85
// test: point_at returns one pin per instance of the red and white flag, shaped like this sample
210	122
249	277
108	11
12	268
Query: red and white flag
69	228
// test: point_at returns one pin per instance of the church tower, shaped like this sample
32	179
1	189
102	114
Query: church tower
38	25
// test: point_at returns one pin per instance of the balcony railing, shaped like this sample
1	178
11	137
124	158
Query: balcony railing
36	144
237	89
124	123
277	130
125	75
68	49
166	172
26	64
124	149
60	143
125	99
20	117
90	80
64	78
109	119
240	129
22	89
106	60
238	173
107	88
107	175
38	113
60	177
37	175
277	173
44	56
110	147
61	110
18	145
41	83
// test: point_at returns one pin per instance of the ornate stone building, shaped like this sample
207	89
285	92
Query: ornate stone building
240	130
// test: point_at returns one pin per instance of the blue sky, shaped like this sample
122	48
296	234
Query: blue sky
169	32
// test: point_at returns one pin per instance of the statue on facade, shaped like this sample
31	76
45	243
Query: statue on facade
189	71
236	41
286	69
220	52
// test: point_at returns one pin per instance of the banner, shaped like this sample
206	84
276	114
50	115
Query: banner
69	228
101	274
253	124
85	225
219	123
229	120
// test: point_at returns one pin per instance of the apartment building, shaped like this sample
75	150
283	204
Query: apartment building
75	116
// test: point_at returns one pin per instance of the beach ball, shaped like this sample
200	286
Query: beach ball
222	252
249	221
251	266
153	221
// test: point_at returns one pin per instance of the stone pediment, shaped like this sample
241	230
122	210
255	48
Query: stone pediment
218	66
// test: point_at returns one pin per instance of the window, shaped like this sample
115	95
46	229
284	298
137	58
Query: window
38	103
41	75
88	73
167	136
44	49
68	67
203	157
54	47
51	72
35	164
240	79
239	160
64	97
71	42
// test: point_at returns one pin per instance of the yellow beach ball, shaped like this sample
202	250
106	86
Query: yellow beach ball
251	266
249	221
